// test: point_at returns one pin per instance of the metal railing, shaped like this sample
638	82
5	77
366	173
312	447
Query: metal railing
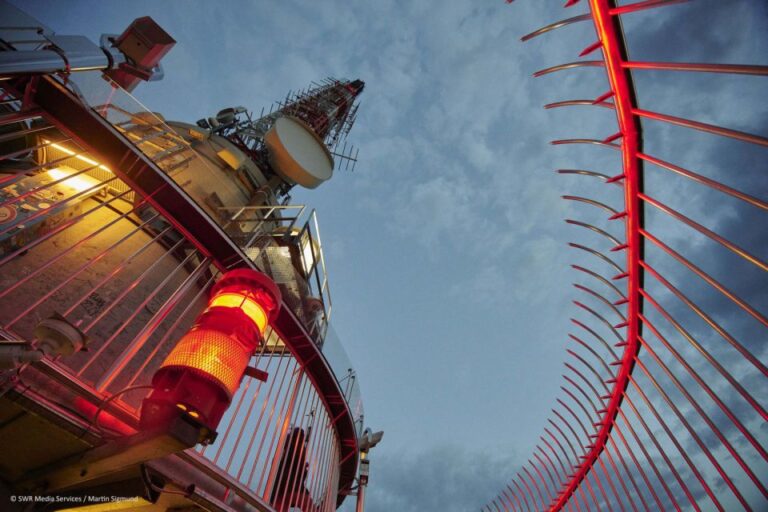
77	240
263	231
663	404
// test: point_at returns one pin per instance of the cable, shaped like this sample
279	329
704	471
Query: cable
148	482
95	420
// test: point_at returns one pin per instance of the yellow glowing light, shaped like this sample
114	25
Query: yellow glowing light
213	354
250	307
189	411
78	183
79	157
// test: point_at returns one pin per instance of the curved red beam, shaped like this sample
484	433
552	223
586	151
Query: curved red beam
609	33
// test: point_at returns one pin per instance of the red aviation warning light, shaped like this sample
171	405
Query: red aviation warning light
203	371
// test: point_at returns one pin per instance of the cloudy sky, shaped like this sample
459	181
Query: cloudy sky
447	246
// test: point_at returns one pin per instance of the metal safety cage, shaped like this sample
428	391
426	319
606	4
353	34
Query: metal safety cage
94	230
663	394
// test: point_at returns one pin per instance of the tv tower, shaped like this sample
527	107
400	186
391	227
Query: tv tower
171	251
295	143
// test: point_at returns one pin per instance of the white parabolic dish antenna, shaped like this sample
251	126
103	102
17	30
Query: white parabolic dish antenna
297	154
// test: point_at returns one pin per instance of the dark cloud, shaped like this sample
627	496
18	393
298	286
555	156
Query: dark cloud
439	478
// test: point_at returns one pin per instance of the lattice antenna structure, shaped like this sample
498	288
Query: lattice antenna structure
663	404
328	109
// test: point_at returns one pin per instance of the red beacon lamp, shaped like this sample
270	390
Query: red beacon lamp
201	374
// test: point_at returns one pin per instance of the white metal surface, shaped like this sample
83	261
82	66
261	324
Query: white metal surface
297	154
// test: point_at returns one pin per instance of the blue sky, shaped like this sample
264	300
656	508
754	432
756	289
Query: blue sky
446	246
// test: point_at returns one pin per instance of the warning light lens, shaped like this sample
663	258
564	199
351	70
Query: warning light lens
202	372
214	355
249	306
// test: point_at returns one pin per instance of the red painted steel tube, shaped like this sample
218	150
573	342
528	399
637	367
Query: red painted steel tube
511	501
598	480
598	254
533	500
520	490
716	185
607	452
600	102
609	33
517	500
599	338
535	486
602	299
715	430
600	278
631	452
570	65
612	442
640	6
664	455
708	319
631	429
541	479
566	473
704	127
577	457
556	25
595	229
602	320
549	473
737	69
703	384
640	469
562	474
708	356
694	436
591	202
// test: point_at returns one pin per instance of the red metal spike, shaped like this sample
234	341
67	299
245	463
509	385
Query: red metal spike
589	49
618	215
604	97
